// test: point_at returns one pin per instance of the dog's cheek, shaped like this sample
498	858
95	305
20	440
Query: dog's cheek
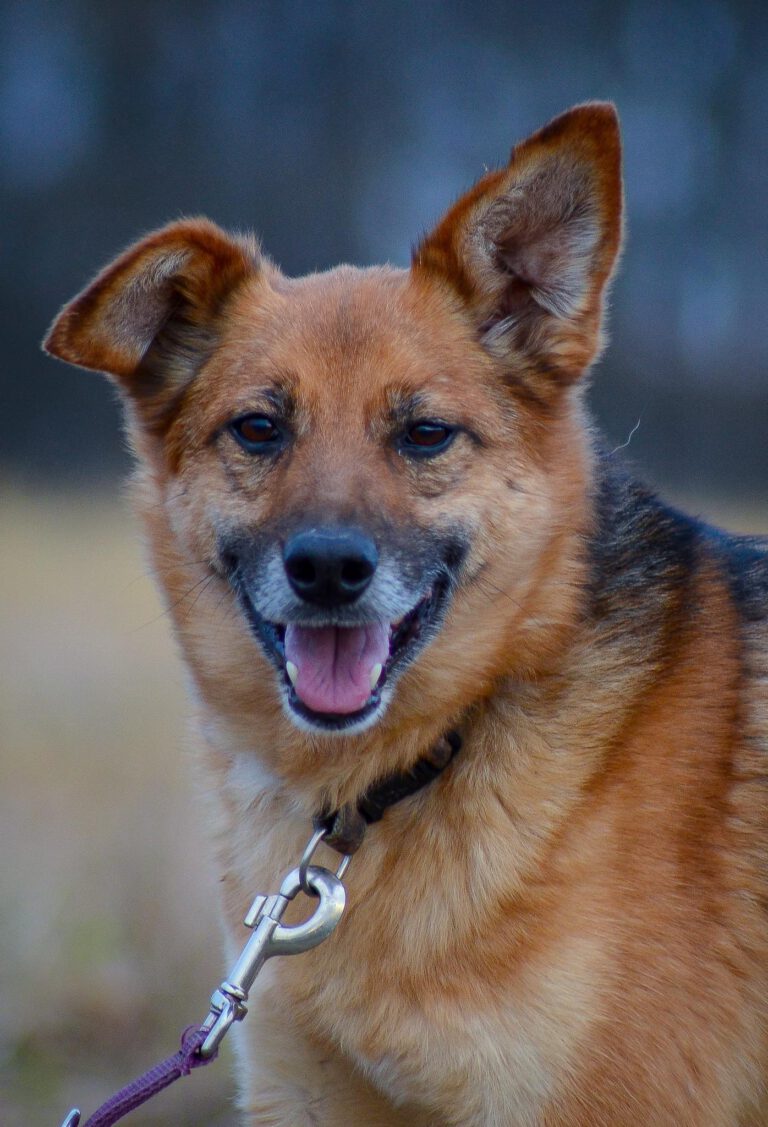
450	475
432	480
510	515
212	488
196	504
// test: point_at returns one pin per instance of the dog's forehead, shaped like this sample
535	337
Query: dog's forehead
350	326
356	306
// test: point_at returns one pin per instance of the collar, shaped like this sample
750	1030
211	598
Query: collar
345	828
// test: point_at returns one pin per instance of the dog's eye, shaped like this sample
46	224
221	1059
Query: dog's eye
427	437
255	433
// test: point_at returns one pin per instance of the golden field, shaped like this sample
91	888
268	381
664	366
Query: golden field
109	941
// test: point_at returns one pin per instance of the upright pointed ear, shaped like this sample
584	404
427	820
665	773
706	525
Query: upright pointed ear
530	249
148	320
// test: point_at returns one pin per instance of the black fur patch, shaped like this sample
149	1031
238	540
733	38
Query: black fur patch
643	553
745	562
645	556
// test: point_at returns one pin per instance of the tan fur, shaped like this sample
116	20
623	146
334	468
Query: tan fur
568	927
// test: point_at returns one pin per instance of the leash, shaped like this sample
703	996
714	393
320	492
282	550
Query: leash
343	830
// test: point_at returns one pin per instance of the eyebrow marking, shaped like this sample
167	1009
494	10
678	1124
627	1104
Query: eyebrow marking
406	406
278	396
281	397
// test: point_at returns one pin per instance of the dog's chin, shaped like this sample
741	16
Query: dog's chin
408	636
349	723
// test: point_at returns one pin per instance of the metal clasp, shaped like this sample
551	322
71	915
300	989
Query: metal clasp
269	938
306	858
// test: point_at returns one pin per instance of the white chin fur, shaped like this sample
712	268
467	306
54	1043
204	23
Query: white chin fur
362	725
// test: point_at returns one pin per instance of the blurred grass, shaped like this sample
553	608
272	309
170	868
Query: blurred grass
109	942
109	938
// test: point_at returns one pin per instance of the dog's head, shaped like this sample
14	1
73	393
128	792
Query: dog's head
375	471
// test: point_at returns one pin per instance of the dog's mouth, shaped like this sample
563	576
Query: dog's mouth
333	676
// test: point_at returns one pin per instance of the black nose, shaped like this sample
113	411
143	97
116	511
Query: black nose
330	566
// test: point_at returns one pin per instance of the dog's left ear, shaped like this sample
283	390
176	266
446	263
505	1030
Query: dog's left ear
530	249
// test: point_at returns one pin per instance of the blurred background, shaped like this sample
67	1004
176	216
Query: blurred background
338	131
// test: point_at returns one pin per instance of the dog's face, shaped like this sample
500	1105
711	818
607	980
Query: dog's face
338	454
371	466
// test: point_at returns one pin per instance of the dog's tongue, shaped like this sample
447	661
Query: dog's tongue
334	663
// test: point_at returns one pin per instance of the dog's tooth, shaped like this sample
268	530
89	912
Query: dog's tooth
375	674
292	671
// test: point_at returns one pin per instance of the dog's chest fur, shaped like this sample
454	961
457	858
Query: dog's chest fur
404	985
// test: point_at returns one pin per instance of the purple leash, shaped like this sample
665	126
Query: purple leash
136	1093
200	1043
343	830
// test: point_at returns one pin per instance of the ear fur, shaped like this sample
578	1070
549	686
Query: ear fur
530	248
148	319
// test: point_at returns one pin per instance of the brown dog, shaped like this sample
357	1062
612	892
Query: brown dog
377	512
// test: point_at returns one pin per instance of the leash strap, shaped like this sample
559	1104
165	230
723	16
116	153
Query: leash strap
343	830
136	1093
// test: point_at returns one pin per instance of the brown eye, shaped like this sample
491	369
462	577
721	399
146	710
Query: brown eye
427	437
256	433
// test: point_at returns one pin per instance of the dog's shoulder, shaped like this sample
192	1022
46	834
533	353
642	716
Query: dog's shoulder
643	549
745	562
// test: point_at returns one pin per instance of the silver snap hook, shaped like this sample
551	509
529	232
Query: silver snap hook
292	940
306	857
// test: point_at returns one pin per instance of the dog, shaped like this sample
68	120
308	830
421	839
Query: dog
378	513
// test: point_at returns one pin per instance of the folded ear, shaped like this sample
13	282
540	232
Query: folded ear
530	249
148	319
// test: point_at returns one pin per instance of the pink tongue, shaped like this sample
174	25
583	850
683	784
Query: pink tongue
335	663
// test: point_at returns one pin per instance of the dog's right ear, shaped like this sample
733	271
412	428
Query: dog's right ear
148	320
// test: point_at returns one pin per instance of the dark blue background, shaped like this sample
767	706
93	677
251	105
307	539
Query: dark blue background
341	131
